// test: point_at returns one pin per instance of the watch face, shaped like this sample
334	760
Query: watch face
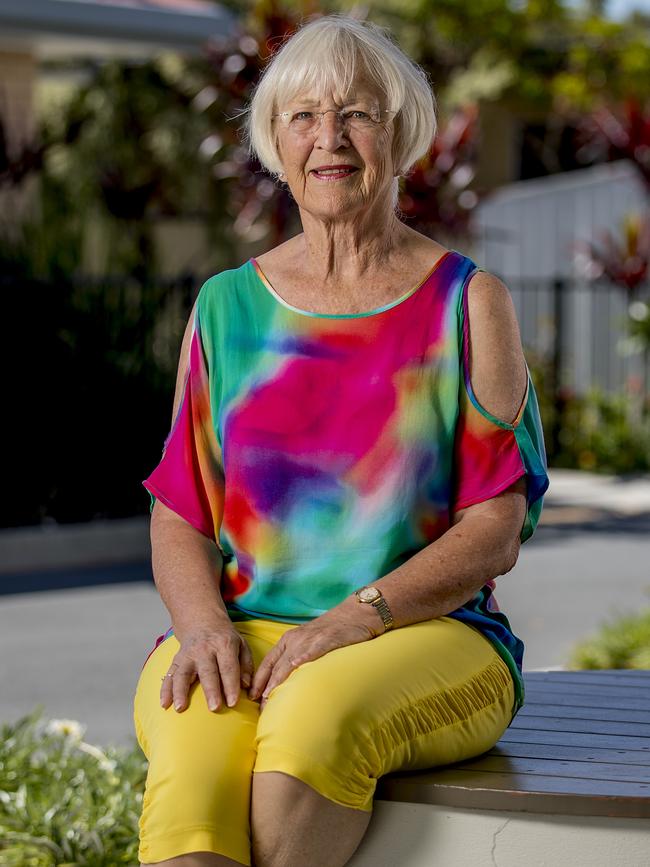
369	594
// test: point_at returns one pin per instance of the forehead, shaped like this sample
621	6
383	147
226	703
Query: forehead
359	90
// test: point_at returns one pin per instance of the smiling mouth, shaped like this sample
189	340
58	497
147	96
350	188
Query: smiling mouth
333	174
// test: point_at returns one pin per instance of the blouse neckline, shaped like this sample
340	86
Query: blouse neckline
261	276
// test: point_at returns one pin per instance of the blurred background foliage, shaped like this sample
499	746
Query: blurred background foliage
94	312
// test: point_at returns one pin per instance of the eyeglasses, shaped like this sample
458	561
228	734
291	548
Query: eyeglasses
304	121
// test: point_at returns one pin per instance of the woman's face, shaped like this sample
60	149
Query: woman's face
368	150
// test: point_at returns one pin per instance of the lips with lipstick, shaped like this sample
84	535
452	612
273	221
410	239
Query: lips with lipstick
333	173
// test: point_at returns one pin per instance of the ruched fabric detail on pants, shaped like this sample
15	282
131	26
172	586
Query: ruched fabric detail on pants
450	707
444	708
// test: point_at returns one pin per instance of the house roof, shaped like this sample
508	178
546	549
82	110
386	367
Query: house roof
91	27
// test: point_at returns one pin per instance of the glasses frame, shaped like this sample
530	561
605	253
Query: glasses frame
344	122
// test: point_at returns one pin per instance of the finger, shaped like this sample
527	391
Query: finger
166	686
228	661
246	664
281	672
182	680
208	673
264	671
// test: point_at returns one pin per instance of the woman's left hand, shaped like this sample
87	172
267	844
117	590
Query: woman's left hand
304	643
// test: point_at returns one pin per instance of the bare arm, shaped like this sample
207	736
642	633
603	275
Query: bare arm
483	540
186	568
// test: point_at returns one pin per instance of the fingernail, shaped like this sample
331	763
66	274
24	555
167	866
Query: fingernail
231	701
212	704
246	681
178	705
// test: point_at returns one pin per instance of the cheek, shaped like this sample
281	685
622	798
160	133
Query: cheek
379	159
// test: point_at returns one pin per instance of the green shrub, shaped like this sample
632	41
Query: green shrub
597	431
622	643
64	802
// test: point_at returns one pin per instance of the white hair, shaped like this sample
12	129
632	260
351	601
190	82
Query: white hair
332	51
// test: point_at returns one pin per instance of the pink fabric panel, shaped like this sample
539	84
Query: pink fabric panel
189	477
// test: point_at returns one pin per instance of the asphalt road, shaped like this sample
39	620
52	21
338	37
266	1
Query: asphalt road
78	650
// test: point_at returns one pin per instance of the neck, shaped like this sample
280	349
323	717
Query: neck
343	251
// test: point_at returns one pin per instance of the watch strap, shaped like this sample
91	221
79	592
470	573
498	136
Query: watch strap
382	607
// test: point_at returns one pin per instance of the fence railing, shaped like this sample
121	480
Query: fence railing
585	329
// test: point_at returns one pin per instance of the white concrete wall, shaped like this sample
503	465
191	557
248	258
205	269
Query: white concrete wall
423	835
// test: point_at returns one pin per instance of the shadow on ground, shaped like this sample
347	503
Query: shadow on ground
561	523
67	578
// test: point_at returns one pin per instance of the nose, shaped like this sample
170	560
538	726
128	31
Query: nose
332	132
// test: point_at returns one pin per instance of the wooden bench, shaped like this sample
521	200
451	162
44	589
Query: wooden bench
567	784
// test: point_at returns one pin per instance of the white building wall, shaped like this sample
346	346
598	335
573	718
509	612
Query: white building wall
526	234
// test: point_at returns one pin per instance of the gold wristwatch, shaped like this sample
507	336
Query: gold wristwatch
374	596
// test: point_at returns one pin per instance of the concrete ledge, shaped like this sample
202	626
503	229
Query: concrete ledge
426	835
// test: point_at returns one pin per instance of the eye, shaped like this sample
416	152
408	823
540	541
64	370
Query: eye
302	115
360	114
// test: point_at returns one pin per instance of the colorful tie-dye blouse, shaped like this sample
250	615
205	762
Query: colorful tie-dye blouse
321	451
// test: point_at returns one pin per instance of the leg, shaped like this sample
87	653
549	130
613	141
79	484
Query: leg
197	796
320	833
424	695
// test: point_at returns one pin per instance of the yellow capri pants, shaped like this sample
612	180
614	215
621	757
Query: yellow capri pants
422	695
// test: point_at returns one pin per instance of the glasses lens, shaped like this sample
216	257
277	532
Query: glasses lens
362	118
307	120
302	120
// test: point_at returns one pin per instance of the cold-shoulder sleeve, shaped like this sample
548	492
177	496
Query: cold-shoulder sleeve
189	479
491	454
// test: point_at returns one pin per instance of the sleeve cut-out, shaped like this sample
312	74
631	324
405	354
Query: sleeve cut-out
491	454
189	479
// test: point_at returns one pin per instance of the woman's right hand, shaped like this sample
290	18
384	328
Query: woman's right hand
219	657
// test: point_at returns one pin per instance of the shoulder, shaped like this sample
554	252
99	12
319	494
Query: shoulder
497	363
419	250
222	279
219	288
491	309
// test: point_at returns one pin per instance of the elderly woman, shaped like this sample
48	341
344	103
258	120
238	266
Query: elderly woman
346	474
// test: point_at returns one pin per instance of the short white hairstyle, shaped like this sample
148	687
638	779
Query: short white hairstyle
332	51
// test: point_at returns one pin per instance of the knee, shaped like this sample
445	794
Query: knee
321	740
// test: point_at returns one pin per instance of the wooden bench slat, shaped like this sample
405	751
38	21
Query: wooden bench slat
616	676
557	768
591	726
583	689
538	783
540	711
596	754
633	686
577	739
528	793
545	706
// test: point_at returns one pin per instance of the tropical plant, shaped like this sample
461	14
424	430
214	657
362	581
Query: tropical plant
618	132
